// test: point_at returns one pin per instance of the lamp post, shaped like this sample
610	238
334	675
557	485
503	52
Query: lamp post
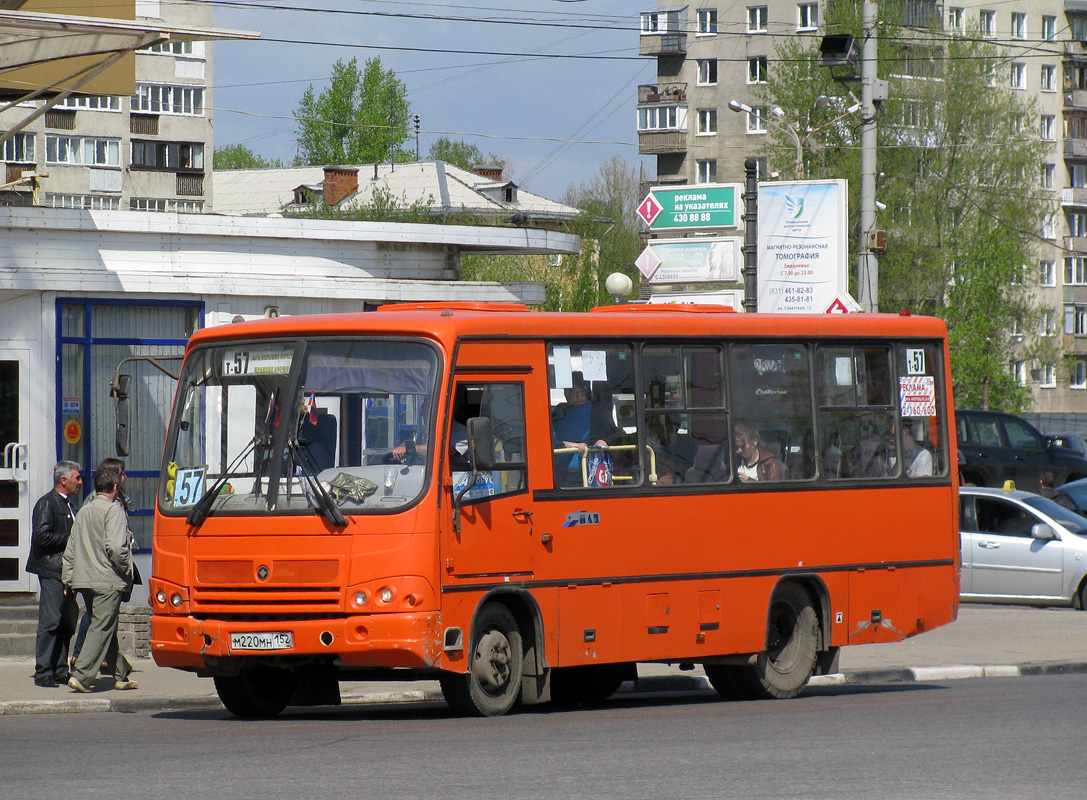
784	125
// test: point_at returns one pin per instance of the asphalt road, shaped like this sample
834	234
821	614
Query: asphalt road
977	739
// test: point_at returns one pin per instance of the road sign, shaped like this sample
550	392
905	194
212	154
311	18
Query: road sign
649	210
710	205
648	261
838	307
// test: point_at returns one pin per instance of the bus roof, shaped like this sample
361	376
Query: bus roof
447	321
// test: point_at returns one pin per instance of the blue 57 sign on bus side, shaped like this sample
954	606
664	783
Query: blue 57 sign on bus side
710	205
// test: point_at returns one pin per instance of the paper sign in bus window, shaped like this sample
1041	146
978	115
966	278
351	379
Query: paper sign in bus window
915	361
564	377
594	365
917	395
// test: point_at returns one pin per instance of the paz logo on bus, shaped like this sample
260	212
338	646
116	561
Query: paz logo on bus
581	518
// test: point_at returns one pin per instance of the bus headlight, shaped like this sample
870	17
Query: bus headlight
175	599
160	597
385	595
360	598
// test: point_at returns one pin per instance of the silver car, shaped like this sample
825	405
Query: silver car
1019	547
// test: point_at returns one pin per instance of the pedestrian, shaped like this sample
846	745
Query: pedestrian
98	564
53	519
118	466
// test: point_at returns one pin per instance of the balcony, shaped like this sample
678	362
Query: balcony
922	14
1075	98
1075	148
654	142
1075	345
190	184
662	44
662	93
1073	197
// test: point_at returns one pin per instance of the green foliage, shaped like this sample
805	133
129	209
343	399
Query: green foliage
961	221
363	117
238	156
463	155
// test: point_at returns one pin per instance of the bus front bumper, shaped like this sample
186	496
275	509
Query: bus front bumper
378	640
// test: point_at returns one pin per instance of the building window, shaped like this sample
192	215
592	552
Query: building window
707	21
1078	378
1077	223
987	21
1049	27
707	170
1019	75
1049	227
165	205
1075	271
756	19
955	20
167	155
756	69
1048	377
660	22
1049	74
172	48
90	103
1018	370
1077	175
659	118
756	121
1078	316
650	22
707	72
1047	128
1019	25
707	122
807	16
89	201
1047	326
1047	176
89	151
20	147
163	99
1047	273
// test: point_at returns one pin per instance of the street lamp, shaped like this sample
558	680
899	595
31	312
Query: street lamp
799	140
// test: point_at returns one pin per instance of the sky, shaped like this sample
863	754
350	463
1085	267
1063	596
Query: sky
505	89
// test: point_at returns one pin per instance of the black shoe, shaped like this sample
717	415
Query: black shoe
47	682
62	677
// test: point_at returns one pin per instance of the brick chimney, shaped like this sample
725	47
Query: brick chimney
339	183
490	173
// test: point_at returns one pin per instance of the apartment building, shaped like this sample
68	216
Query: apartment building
709	54
148	152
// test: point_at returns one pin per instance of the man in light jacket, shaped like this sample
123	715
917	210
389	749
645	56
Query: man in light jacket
98	564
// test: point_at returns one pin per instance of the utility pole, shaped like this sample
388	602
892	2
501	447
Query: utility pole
867	261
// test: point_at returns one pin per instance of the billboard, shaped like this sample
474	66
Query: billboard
702	260
802	249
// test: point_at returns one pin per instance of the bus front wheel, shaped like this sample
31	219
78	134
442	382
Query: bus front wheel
783	669
256	692
493	681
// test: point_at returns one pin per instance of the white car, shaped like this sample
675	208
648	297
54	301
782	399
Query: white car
1019	547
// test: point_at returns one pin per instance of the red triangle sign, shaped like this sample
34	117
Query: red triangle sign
837	307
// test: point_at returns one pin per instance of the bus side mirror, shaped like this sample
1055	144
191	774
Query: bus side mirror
120	392
480	444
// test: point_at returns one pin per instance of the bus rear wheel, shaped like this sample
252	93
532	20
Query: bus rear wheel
260	692
493	681
783	669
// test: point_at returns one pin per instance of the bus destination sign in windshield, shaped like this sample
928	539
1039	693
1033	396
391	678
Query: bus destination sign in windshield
699	206
257	362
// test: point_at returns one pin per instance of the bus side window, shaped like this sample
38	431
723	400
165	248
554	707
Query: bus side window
503	404
921	407
856	415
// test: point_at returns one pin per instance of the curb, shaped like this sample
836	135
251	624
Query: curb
647	685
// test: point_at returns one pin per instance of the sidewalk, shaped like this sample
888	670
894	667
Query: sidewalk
986	641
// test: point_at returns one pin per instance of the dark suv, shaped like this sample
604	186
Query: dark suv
995	447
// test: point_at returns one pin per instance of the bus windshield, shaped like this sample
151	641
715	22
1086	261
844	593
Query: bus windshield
333	426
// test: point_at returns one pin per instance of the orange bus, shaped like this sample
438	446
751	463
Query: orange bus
526	505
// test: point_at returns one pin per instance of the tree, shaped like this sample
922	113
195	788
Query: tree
363	117
961	223
461	154
238	156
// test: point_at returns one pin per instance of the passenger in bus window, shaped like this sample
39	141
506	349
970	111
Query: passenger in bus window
916	456
578	423
755	463
873	456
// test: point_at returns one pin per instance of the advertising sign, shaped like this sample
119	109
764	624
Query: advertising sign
708	205
802	246
731	298
709	260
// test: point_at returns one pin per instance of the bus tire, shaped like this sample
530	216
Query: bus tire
783	669
589	685
493	681
260	692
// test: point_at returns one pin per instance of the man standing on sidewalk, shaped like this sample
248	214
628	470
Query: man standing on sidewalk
98	564
53	519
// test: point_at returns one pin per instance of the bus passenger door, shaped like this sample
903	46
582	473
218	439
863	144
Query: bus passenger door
494	516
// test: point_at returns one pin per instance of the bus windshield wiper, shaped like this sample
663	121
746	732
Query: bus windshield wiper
202	509
325	504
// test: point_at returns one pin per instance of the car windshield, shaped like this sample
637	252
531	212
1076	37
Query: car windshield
293	426
1070	520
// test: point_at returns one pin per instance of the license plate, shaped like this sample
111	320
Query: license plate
265	640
